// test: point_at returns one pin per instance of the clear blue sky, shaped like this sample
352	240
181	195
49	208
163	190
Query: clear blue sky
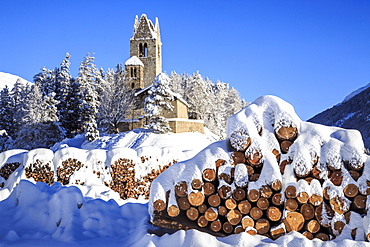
310	53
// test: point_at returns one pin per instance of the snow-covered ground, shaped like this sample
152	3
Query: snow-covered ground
87	213
9	80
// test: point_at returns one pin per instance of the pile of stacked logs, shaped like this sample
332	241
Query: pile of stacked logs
40	172
126	184
220	207
7	169
68	167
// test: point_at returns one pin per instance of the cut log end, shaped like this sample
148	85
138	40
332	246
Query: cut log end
159	205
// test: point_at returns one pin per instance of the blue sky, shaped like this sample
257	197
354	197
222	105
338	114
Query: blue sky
309	53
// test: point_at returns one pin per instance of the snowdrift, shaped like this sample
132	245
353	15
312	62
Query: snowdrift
274	174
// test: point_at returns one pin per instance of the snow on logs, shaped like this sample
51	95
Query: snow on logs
274	174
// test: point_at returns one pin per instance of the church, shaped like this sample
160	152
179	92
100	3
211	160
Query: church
144	64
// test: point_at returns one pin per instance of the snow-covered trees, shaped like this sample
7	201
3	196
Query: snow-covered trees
211	102
159	99
117	100
6	110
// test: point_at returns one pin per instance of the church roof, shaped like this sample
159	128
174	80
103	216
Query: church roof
144	28
134	60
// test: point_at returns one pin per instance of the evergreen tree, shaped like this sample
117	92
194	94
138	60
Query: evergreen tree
159	99
19	94
6	111
90	100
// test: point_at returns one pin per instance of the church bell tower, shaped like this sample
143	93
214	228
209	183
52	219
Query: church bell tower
146	45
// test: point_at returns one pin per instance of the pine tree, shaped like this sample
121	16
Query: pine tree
159	99
90	100
19	94
6	111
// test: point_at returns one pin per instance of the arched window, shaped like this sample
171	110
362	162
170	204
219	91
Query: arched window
141	50
135	72
145	50
132	72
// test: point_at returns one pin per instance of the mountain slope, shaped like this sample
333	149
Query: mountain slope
352	113
10	80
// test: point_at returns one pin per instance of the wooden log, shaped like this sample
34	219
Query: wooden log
254	159
250	169
262	226
234	216
173	211
336	178
238	229
277	154
209	188
225	177
324	214
238	157
276	185
322	236
293	221
251	231
244	207
183	203
273	213
196	184
302	197
354	174
285	145
308	235
224	192
202	208
196	198
283	164
350	190
240	140
227	227
214	200
263	203
359	201
209	175
181	189
256	213
220	162
211	214
313	226
202	222
325	193
253	195
222	210
308	211
291	204
286	133
290	192
239	194
192	213
276	199
339	205
266	191
159	205
254	177
230	203
338	227
277	232
216	225
316	172
247	222
316	200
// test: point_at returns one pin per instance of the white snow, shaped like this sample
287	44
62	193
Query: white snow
135	61
10	80
36	214
354	93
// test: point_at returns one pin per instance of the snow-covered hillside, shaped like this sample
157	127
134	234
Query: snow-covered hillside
81	210
10	80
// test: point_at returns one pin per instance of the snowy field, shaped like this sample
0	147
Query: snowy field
88	213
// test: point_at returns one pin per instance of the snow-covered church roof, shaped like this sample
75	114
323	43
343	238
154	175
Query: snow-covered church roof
134	60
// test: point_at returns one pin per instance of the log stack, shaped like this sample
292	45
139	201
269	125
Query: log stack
7	169
68	167
40	172
219	204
